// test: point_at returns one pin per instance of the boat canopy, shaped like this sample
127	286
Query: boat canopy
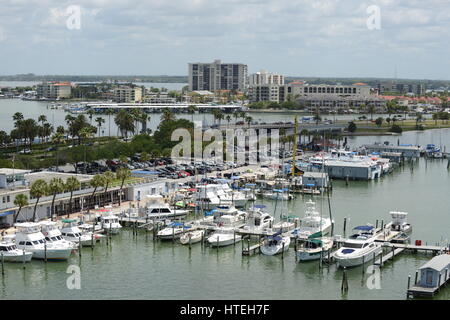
68	220
259	206
310	185
363	228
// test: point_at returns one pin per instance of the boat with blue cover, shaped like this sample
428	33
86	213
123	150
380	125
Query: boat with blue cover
275	244
359	248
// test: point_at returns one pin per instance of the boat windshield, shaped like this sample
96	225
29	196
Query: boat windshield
353	245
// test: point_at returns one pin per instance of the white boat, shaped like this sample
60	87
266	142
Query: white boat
277	195
257	219
275	244
54	236
192	237
110	224
156	208
10	252
312	249
172	231
71	232
30	238
399	222
224	236
359	248
312	225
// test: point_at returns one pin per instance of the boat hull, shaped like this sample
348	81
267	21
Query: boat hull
355	261
17	257
223	241
276	249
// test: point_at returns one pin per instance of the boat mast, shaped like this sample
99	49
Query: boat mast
294	151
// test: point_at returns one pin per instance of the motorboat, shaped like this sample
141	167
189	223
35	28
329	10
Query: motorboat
172	231
224	236
258	220
313	249
71	232
192	237
30	238
432	151
157	208
275	244
277	194
10	252
53	235
359	248
286	224
110	224
399	222
312	225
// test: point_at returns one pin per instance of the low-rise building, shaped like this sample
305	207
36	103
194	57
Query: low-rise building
127	94
54	90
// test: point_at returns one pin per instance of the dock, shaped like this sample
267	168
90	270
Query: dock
388	257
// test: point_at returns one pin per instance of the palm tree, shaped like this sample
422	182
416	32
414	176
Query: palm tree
38	189
228	118
167	115
108	177
371	110
124	122
249	120
109	113
90	113
42	119
144	119
97	181
86	133
99	121
20	200
55	186
191	110
71	185
18	116
57	139
122	174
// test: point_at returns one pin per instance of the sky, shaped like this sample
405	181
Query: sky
323	38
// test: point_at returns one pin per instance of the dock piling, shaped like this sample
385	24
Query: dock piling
415	278
3	267
45	251
344	284
345	224
79	246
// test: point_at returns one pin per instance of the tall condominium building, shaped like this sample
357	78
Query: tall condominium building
217	76
263	77
126	94
54	90
392	86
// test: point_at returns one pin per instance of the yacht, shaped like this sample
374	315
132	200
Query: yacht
224	236
30	238
359	248
275	244
157	208
258	220
10	252
110	224
312	225
312	249
71	232
54	236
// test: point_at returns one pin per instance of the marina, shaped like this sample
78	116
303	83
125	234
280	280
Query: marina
162	258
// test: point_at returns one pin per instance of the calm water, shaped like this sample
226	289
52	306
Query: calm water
144	269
